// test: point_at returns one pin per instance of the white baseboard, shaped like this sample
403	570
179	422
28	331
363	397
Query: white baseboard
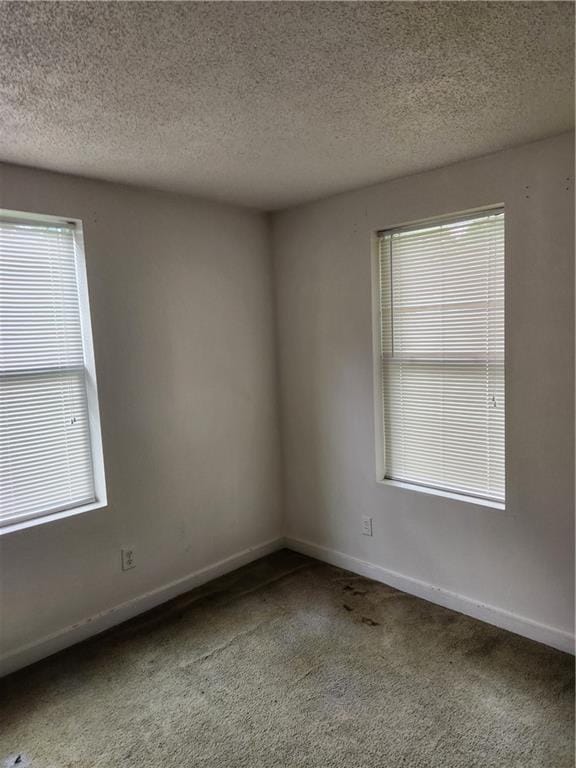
93	625
57	641
520	625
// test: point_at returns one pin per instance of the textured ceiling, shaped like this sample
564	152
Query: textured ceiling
270	104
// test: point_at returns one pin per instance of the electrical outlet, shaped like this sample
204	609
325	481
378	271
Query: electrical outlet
128	558
366	525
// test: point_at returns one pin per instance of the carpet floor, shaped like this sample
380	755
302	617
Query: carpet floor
290	662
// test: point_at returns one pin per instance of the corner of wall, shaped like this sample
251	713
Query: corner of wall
273	276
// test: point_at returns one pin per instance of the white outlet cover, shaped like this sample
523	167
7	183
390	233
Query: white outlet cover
366	525
128	558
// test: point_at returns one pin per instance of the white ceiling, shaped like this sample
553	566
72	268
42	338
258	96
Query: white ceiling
270	104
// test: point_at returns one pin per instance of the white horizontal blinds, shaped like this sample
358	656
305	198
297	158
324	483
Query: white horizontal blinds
442	354
45	453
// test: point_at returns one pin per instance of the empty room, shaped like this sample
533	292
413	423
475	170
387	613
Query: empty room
287	387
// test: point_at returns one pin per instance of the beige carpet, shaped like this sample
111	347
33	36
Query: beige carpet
289	662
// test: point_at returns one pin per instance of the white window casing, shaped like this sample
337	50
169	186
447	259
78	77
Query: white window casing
440	355
50	442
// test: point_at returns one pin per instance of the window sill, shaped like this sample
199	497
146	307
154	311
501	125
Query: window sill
33	522
444	494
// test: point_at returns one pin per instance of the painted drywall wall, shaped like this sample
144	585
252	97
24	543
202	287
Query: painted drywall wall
182	317
520	560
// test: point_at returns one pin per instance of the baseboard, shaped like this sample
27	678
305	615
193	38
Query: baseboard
57	641
93	625
520	625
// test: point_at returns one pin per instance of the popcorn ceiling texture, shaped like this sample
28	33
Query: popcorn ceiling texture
274	103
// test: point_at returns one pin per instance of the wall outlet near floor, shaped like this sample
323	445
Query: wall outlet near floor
366	525
128	558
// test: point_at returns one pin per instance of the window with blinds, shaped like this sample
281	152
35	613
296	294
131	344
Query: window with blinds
441	333
50	451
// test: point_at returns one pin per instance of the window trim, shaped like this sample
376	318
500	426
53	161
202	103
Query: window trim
379	435
30	519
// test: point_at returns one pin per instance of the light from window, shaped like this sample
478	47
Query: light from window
50	450
441	333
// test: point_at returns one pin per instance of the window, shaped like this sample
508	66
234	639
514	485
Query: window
441	348
50	448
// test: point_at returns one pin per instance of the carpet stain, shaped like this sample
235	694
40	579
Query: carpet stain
267	667
487	647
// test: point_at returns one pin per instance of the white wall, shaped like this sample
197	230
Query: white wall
182	317
182	311
519	561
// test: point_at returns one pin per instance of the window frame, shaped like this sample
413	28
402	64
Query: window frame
379	425
29	519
